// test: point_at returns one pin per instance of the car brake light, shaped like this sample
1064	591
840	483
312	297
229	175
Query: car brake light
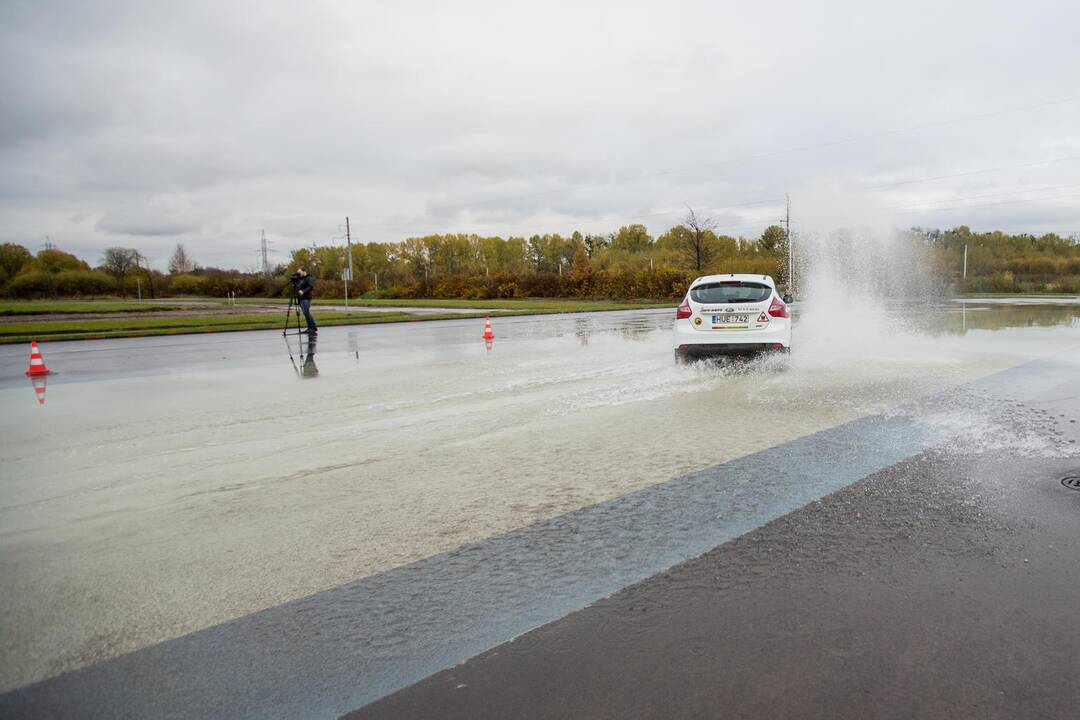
684	310
778	309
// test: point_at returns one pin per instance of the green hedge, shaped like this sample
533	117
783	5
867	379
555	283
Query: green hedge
34	284
83	283
186	285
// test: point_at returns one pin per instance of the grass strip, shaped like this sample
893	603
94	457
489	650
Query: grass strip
97	330
164	323
10	308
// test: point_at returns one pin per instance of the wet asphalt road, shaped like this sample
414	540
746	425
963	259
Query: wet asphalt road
919	592
455	605
335	650
92	360
943	586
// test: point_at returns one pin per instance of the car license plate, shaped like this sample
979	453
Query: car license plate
730	319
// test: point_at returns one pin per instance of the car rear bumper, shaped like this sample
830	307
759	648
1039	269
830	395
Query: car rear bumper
779	333
701	350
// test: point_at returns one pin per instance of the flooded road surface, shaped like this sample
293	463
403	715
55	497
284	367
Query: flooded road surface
333	525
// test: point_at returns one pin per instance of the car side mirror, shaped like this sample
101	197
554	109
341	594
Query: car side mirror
788	299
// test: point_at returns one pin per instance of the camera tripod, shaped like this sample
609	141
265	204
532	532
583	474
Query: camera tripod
293	309
307	368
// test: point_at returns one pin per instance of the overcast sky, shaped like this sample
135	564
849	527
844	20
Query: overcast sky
148	123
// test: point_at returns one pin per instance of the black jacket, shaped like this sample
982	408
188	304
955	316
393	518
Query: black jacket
305	288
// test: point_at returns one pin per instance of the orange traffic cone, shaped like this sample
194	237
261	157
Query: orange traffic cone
488	335
37	365
38	381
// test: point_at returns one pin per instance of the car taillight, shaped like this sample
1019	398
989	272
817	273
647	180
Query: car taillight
684	311
778	309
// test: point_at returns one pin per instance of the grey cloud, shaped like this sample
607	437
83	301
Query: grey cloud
506	118
144	227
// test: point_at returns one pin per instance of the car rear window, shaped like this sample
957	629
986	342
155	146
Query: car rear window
730	292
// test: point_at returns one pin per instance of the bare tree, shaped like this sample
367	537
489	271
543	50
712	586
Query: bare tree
180	262
118	262
698	243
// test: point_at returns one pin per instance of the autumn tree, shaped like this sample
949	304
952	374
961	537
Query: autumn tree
772	239
579	266
416	257
632	239
54	261
594	244
535	249
12	259
328	262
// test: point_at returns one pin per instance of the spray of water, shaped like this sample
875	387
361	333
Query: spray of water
862	282
869	298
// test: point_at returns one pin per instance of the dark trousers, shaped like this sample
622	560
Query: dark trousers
305	307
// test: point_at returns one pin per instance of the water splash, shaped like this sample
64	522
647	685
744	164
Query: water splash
864	293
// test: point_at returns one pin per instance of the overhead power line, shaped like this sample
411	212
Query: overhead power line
987	195
997	204
970	172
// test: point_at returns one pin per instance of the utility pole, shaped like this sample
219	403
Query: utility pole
787	237
139	260
347	275
786	222
265	263
965	261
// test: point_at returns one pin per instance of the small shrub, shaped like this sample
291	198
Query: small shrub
508	291
33	284
84	283
186	285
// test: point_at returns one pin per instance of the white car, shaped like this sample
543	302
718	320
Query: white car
732	315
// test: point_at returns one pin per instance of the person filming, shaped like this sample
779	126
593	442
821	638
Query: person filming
305	290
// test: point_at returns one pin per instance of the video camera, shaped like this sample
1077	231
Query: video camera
294	278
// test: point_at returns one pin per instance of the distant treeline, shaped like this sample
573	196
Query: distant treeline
628	263
625	264
1002	263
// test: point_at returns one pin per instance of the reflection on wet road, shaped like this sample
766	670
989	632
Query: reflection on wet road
303	360
173	484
